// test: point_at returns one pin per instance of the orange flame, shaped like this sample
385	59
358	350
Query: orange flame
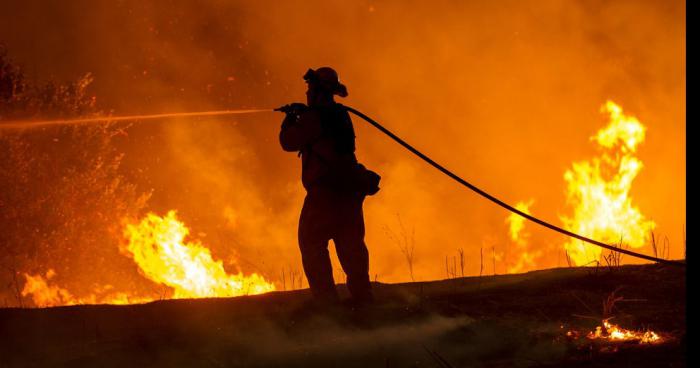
516	226
516	223
599	190
157	246
613	332
45	295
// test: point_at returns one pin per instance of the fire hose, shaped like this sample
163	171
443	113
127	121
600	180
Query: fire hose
499	202
431	162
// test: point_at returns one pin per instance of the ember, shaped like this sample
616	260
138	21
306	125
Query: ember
613	332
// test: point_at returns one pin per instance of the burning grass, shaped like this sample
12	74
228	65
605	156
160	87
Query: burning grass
611	332
157	245
159	248
599	190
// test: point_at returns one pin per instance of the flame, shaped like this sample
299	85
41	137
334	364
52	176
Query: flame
613	332
599	190
516	226
45	295
516	223
157	246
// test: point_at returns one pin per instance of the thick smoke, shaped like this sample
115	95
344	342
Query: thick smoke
504	93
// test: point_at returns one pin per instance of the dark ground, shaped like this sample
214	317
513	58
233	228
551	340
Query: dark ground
492	321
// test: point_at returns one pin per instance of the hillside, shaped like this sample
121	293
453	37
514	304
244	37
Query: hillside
492	321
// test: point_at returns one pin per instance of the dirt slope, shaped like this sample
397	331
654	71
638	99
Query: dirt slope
491	321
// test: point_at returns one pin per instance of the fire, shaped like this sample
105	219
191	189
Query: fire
599	190
516	226
44	294
613	332
157	245
516	223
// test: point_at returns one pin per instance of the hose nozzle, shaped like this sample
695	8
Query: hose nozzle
294	108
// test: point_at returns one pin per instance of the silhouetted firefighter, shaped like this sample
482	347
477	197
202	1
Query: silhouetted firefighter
336	185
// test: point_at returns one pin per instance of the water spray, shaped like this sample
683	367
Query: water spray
108	119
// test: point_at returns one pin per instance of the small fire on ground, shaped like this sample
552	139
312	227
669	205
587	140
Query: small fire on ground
614	333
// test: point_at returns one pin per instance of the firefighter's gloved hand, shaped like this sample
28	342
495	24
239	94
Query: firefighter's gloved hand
295	108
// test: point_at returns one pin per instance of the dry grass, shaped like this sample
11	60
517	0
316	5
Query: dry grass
451	268
406	243
613	259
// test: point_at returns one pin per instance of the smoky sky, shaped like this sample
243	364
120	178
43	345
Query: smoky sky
507	94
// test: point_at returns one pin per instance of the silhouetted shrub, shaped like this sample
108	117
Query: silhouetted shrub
63	197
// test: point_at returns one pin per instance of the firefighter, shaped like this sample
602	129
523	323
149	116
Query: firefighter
322	132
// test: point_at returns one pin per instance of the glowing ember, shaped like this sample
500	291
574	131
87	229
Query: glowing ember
599	190
614	333
157	246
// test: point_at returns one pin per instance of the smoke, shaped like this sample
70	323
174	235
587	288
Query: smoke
334	338
462	341
504	93
246	333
